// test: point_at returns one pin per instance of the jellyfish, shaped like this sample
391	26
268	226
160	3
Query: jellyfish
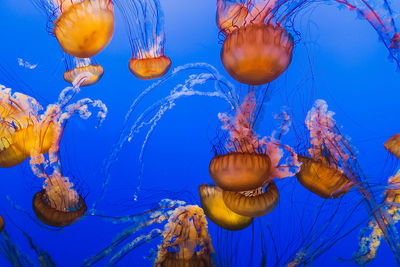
324	171
57	204
212	202
383	18
77	66
257	48
21	128
83	28
244	168
1	224
145	26
393	145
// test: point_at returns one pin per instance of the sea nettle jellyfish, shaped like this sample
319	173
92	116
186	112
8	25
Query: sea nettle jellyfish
393	145
145	25
57	204
257	48
83	28
77	66
324	171
244	167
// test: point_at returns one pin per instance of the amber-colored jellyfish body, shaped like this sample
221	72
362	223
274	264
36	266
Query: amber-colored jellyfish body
150	68
195	261
20	133
53	216
1	224
145	25
255	203
393	145
320	178
84	28
212	202
254	52
237	171
79	66
257	53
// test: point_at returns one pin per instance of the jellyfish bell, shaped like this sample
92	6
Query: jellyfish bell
240	171
393	145
256	54
254	203
149	68
235	15
212	202
1	224
322	179
84	66
84	28
58	204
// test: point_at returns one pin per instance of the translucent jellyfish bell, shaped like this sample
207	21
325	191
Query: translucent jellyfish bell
393	145
79	66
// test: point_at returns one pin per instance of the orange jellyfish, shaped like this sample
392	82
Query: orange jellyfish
145	26
1	224
186	239
77	66
324	172
247	165
393	145
21	128
83	28
212	202
257	48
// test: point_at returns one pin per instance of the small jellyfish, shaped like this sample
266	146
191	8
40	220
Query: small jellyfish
21	128
186	239
145	26
324	171
393	145
257	48
1	224
77	66
247	164
83	28
212	202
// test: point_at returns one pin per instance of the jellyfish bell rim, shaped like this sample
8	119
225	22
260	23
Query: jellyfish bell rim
96	70
53	217
240	178
308	180
218	212
143	68
80	50
260	70
253	206
195	261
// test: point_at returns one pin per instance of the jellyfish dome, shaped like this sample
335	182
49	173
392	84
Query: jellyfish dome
83	28
81	66
393	145
323	172
1	224
145	26
257	49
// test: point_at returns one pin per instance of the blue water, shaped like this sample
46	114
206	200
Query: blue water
339	58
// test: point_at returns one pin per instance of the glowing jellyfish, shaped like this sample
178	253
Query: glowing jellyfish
393	145
257	48
214	207
1	224
78	66
83	28
383	18
21	129
145	26
248	163
324	171
58	204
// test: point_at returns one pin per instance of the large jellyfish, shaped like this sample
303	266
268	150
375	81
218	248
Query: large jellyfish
77	66
257	48
58	204
246	163
145	26
83	28
383	18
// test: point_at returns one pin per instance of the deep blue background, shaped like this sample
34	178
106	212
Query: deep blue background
339	59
